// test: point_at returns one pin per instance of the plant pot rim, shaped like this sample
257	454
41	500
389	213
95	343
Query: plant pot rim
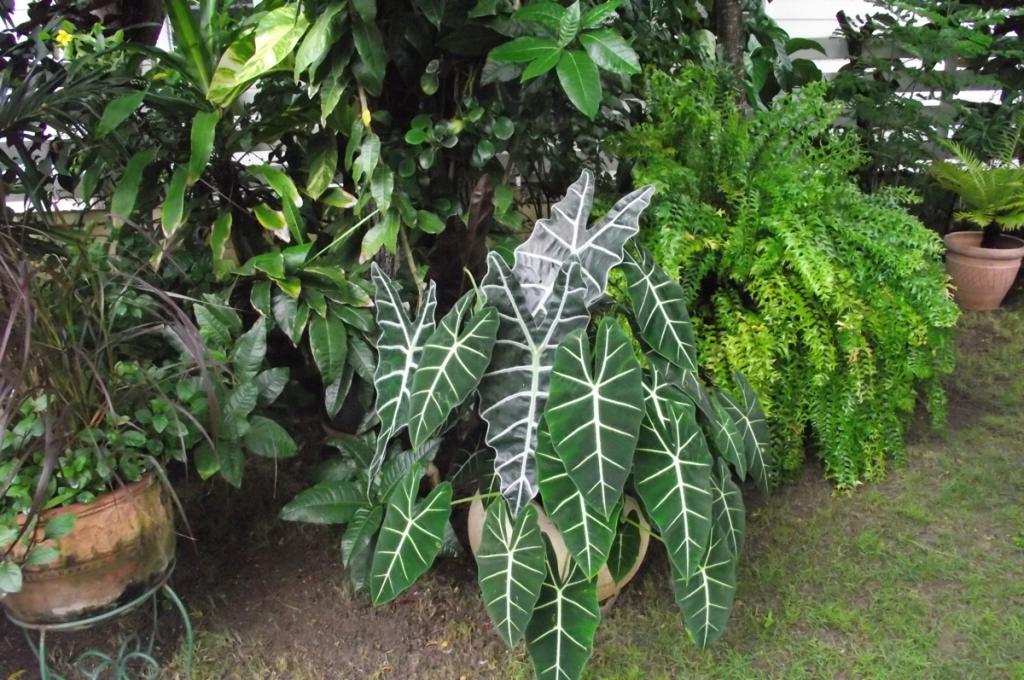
122	493
969	243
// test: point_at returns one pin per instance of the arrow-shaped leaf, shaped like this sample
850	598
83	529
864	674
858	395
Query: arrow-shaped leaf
660	310
672	468
706	598
399	346
587	535
730	516
454	358
511	563
411	536
727	438
565	234
560	636
626	546
751	422
515	388
594	412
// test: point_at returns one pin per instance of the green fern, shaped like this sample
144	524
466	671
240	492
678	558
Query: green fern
833	302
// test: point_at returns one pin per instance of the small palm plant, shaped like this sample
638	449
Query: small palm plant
992	192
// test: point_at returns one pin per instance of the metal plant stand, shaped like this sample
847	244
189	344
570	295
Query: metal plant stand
134	658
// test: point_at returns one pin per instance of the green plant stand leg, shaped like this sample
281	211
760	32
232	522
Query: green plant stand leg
134	658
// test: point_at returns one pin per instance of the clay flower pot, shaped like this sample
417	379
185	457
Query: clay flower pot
122	544
606	585
982	276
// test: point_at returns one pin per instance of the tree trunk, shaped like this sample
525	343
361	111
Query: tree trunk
729	20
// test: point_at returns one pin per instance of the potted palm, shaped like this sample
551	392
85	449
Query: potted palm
984	265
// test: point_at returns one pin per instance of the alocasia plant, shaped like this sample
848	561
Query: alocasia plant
582	418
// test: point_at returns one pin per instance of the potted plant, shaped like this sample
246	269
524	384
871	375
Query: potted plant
86	425
586	403
984	265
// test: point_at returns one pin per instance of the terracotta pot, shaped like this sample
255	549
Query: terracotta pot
122	544
982	276
606	585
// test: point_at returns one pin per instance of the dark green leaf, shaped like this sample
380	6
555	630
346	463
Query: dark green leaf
323	166
597	15
524	49
60	526
318	40
373	57
249	350
326	503
118	110
268	439
611	52
122	203
271	383
580	80
204	129
328	342
569	24
511	565
173	212
546	13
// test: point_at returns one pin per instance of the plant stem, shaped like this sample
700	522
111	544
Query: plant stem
479	496
411	263
642	528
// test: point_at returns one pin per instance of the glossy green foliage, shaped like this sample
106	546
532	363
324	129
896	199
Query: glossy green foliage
831	302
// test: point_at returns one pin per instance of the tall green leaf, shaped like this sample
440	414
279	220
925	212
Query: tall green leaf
626	546
188	40
523	49
318	40
122	203
204	129
373	58
730	515
580	81
594	411
560	636
249	350
706	598
752	425
173	213
569	24
118	110
588	536
511	569
515	388
411	536
672	469
727	438
322	166
454	358
399	347
660	310
565	234
328	341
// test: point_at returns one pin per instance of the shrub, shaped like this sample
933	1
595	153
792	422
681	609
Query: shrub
832	301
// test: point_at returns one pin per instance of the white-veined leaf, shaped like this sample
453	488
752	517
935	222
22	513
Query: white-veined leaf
752	425
515	388
660	310
560	636
564	234
454	358
672	469
399	346
411	536
706	598
594	412
730	516
727	438
587	535
511	564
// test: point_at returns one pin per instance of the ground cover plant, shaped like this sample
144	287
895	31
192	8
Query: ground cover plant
568	418
833	302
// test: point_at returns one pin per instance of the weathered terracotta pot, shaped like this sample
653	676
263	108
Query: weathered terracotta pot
982	276
122	544
606	585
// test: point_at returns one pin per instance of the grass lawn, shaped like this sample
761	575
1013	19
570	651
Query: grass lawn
919	576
